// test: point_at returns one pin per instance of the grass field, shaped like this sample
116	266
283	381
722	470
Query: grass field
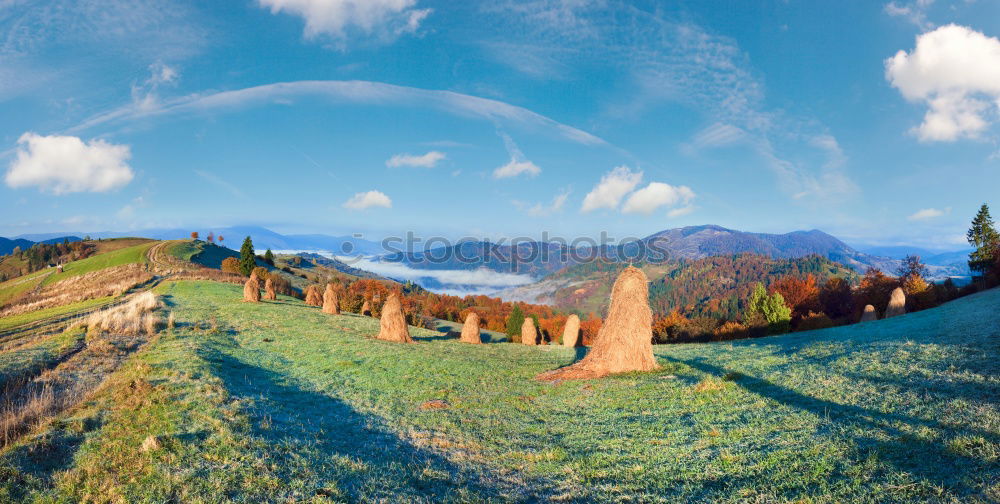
278	402
16	286
128	255
205	254
13	321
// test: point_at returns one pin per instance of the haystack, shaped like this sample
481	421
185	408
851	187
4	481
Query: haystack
331	303
313	297
366	309
393	327
625	341
571	331
529	336
269	292
897	303
869	314
470	330
251	289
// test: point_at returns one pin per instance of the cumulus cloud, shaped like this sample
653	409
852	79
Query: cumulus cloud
429	160
608	193
386	18
65	164
515	168
655	195
928	213
370	199
955	71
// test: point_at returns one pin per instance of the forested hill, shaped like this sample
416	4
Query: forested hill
711	286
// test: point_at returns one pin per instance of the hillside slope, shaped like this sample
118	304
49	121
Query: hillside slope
279	402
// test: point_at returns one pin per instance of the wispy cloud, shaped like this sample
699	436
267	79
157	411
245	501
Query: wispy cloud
543	210
220	182
914	12
364	92
518	164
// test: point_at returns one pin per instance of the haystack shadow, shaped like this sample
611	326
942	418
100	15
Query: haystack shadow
929	461
395	470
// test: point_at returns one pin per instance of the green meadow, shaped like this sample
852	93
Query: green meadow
278	402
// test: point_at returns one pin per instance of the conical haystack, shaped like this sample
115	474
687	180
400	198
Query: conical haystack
251	289
529	335
313	297
331	303
571	331
366	309
393	324
897	303
269	293
869	314
625	341
470	330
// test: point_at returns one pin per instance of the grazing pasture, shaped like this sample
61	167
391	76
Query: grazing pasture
278	401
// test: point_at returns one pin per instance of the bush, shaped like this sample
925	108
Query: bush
771	308
814	321
231	265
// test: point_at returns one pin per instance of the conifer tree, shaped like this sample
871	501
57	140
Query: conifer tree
514	322
269	257
983	236
247	260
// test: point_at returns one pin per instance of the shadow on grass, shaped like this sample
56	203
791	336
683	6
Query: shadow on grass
346	454
931	461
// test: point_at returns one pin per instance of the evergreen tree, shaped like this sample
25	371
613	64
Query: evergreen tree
911	268
247	262
983	236
269	257
514	322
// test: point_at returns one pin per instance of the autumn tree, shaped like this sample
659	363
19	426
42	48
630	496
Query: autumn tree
194	235
247	260
836	298
800	294
211	237
875	289
231	265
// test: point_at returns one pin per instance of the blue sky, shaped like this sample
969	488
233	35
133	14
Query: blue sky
876	122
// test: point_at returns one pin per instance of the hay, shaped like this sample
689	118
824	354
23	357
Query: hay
869	314
251	289
331	303
313	297
392	326
529	336
366	309
470	330
897	304
625	341
571	331
269	293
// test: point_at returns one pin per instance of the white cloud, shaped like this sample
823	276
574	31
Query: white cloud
515	168
363	92
428	160
955	71
65	164
370	199
655	195
386	18
928	213
608	193
718	135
